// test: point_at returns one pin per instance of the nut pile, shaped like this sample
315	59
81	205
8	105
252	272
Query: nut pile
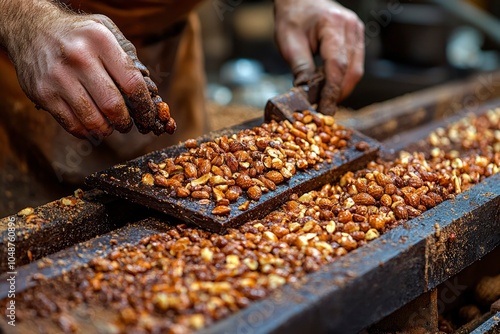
187	278
472	134
249	163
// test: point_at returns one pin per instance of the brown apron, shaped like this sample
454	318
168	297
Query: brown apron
168	40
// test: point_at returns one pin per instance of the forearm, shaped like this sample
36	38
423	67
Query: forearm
21	20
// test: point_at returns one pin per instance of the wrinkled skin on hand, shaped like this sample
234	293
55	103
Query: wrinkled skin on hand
83	71
304	28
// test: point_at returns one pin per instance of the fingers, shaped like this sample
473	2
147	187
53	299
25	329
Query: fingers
295	49
134	83
84	108
334	54
126	45
303	27
108	98
356	44
92	82
64	115
151	86
342	49
131	83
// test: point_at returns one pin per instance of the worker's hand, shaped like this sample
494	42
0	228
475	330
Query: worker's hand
305	27
83	71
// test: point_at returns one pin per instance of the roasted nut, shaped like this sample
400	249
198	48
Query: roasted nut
232	162
190	143
190	170
160	180
386	200
182	192
302	164
26	211
235	145
221	210
204	167
351	227
427	201
200	194
285	172
270	236
377	222
331	227
254	193
244	181
344	216
275	176
375	190
233	193
372	234
201	180
412	198
276	163
413	212
362	146
364	199
217	180
244	206
218	194
267	183
390	189
415	182
163	111
148	179
401	212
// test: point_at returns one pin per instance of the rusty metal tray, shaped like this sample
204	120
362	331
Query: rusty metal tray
344	296
124	181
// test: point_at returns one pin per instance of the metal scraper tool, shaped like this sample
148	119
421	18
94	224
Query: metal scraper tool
297	99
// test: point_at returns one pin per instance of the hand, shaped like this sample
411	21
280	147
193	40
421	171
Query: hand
304	28
83	71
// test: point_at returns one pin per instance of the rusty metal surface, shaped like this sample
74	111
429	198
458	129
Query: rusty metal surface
297	99
56	226
79	254
490	326
125	181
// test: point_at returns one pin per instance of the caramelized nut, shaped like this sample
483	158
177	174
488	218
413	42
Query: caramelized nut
244	181
221	210
364	199
233	193
190	143
275	176
254	193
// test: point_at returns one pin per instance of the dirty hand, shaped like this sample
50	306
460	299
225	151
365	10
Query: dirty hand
304	27
82	70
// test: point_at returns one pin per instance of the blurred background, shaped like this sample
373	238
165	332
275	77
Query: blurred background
410	45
